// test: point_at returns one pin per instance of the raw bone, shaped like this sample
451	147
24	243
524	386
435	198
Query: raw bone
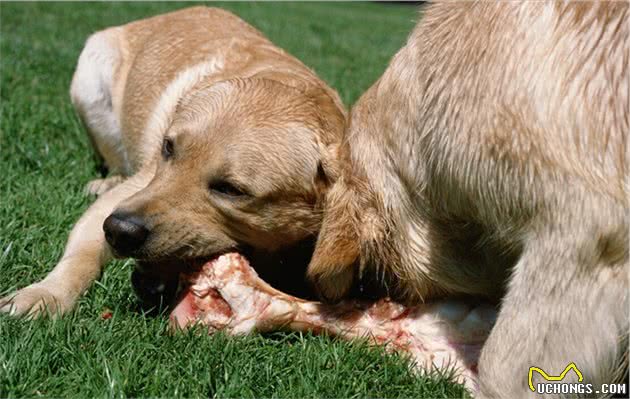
227	294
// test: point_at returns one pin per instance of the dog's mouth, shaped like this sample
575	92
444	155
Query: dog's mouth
157	282
161	283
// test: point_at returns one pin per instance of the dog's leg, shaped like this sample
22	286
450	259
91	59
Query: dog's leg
567	302
84	255
92	94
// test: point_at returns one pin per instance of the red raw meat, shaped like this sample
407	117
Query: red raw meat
227	294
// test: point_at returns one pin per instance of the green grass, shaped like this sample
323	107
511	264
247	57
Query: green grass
45	161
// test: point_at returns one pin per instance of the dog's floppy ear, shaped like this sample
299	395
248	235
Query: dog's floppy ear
334	264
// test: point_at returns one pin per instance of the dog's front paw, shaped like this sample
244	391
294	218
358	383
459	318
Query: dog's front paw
34	301
97	187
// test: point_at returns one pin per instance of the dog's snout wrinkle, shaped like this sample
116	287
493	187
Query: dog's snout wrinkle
125	233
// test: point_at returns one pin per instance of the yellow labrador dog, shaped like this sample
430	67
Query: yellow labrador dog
491	159
217	140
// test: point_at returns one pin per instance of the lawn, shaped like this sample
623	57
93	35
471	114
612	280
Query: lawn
45	159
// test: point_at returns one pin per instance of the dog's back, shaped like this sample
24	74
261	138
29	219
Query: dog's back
540	87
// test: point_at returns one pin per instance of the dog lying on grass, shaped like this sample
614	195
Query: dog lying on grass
216	140
491	159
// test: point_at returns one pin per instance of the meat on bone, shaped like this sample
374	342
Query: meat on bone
227	294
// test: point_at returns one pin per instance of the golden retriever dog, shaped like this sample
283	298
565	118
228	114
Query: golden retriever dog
216	140
491	159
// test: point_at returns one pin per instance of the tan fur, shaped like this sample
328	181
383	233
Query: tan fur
236	108
491	159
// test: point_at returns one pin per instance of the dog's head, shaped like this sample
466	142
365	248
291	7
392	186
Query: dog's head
244	166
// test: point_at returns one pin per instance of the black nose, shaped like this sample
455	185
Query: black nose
125	233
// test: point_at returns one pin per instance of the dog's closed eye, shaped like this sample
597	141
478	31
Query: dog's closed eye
225	188
168	148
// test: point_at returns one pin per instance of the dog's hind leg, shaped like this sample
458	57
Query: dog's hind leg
85	254
567	302
92	94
